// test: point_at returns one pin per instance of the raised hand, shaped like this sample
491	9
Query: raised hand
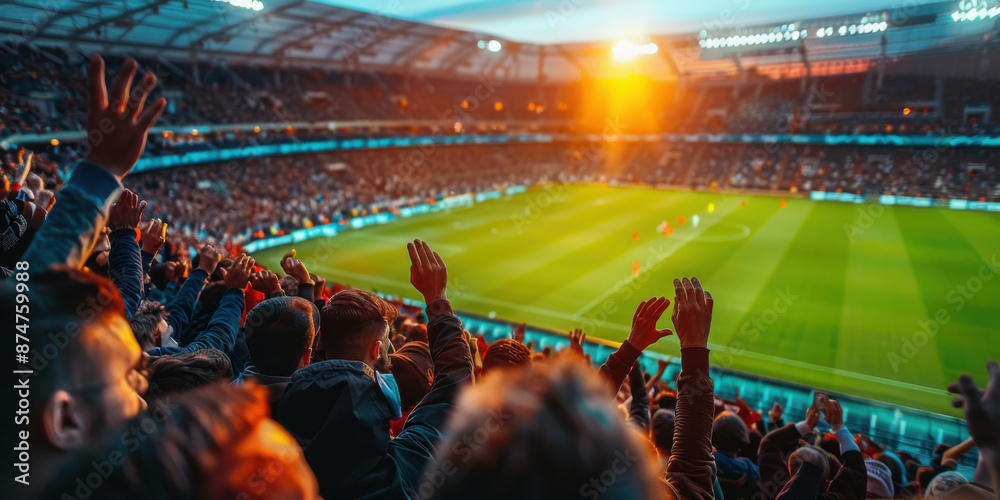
982	409
126	212
116	131
428	274
776	412
519	330
154	233
265	282
180	270
295	268
812	417
662	364
576	339
320	286
238	274
834	415
644	332
208	259
45	200
692	313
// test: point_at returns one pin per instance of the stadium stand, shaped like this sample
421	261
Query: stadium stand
169	363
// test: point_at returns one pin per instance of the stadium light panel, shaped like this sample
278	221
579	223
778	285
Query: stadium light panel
494	46
626	50
255	5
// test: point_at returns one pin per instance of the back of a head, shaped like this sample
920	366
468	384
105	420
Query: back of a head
943	484
729	433
662	430
213	443
809	454
183	372
505	353
925	475
413	369
545	431
351	320
279	333
880	484
144	328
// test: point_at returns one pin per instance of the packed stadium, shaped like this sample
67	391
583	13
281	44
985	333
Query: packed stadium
304	249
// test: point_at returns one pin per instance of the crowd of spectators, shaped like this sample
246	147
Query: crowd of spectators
157	376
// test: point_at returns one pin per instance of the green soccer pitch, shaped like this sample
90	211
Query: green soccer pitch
888	303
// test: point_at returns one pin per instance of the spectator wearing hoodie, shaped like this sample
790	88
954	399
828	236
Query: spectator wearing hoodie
343	404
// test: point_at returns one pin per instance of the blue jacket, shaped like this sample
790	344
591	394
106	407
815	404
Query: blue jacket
339	415
125	268
222	328
70	231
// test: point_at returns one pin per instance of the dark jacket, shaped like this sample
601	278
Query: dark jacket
70	230
691	468
339	415
850	482
125	268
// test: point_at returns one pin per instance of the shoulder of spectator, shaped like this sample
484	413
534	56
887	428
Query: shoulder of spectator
94	183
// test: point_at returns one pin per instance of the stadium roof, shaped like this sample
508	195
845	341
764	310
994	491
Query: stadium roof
457	38
574	21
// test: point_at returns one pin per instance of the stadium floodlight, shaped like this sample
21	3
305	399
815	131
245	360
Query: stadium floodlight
481	44
626	50
255	5
494	46
820	33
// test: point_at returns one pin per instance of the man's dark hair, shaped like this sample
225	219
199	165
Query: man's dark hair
353	319
729	433
506	353
279	331
144	328
186	371
662	430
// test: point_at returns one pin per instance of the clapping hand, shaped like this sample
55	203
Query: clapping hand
238	274
154	233
296	269
208	259
126	212
265	282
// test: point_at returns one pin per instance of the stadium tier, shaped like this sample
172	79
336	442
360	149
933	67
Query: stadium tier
304	249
